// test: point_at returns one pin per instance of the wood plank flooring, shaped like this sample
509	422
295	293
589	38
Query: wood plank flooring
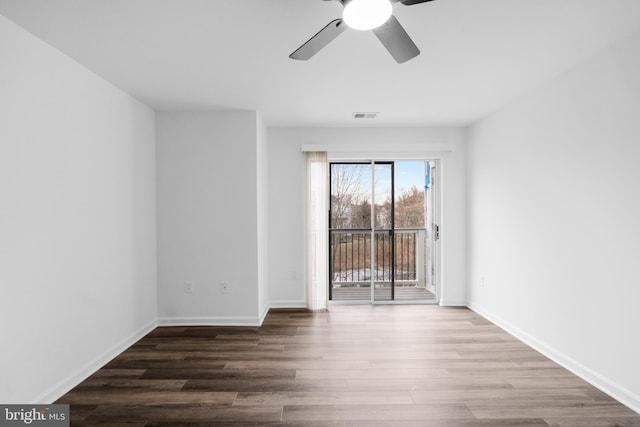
351	366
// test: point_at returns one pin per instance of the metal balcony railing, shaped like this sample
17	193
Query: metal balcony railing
350	258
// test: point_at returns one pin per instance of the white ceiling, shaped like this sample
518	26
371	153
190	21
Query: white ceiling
477	55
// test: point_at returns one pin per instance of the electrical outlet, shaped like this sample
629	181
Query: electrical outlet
224	287
188	288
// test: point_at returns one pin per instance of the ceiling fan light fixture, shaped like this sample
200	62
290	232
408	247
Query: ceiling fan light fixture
366	14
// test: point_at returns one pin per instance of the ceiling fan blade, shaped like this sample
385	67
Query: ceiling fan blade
396	40
412	2
320	40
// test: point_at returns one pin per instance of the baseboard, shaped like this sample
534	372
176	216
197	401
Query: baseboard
90	368
453	303
229	320
287	304
210	321
265	311
621	394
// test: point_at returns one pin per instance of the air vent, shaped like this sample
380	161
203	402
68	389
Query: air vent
365	115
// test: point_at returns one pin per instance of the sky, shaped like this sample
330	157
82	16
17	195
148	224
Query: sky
407	174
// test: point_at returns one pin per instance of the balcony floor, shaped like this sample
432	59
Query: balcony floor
402	293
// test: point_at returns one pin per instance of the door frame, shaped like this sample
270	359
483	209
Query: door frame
391	231
437	256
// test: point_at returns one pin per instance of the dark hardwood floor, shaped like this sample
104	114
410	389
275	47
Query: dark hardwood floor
352	366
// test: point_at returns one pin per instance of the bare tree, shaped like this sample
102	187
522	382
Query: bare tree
409	211
347	193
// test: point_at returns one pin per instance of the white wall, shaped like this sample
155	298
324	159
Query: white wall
77	220
208	218
553	219
286	197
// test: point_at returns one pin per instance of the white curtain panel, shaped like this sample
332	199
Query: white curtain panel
317	230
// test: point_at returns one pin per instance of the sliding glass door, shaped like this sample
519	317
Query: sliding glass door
350	231
379	236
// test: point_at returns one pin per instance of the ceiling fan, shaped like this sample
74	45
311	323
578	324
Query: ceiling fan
375	15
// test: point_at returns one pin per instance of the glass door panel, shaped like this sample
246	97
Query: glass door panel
350	231
383	191
413	209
